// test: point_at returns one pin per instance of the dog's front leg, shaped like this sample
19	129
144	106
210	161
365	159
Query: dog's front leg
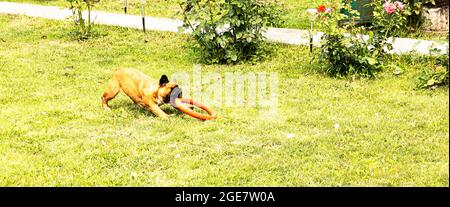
157	111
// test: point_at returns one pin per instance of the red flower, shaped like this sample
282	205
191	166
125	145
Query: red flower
321	8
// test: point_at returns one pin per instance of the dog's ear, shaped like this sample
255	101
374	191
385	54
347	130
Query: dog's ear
163	80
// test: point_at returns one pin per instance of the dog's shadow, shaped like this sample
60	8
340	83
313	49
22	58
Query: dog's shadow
135	108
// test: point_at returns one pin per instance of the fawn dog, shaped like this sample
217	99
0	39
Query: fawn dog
141	89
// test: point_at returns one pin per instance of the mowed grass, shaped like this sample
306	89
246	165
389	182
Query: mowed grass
53	131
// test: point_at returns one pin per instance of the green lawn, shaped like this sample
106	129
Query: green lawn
54	132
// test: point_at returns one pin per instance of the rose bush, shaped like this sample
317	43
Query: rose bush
229	31
389	19
344	50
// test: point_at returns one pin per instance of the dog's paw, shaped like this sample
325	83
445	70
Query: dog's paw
107	109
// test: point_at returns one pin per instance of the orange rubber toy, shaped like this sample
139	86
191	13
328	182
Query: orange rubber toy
179	104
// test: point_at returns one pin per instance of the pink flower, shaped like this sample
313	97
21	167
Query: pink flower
399	5
389	7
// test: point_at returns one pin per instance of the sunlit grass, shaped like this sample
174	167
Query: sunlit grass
53	131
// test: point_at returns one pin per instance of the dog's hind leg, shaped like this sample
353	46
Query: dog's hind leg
111	91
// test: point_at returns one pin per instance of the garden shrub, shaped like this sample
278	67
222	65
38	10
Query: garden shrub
229	31
83	26
390	18
348	56
344	51
437	74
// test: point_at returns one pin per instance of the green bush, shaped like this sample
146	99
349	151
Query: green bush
344	56
229	31
83	26
342	51
437	74
389	25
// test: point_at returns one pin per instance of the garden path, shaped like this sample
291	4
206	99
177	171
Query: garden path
281	35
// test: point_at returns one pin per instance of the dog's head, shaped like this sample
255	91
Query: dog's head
168	90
